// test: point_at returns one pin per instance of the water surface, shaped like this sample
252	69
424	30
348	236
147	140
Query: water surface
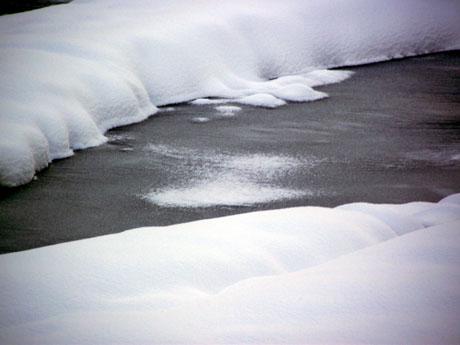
391	133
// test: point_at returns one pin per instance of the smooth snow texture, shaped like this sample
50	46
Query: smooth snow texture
262	100
300	275
69	73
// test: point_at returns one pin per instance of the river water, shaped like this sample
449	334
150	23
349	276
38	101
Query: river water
390	133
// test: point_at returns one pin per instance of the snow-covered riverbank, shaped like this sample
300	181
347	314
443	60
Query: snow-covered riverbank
71	72
359	273
323	153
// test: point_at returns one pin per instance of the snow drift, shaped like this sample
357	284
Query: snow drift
359	273
69	73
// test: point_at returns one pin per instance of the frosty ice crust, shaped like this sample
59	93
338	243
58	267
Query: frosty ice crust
69	73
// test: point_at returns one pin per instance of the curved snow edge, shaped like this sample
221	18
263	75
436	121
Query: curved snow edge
71	72
259	277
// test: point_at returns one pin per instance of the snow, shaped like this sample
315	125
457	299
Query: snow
208	101
301	275
262	100
223	179
221	191
228	110
69	73
451	199
166	109
200	119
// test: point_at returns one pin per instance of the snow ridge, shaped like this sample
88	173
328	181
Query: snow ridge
306	274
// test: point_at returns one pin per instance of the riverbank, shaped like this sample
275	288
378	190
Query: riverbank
388	134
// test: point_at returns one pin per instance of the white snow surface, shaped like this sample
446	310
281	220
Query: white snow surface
68	73
357	274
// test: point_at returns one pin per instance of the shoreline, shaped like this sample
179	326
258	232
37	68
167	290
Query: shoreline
342	128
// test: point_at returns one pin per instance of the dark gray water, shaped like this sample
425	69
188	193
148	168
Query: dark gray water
14	6
391	133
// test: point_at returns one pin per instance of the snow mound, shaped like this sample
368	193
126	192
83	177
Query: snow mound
69	73
306	274
261	100
452	199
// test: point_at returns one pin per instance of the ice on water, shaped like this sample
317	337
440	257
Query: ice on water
221	179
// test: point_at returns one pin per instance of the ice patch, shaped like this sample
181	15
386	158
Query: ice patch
116	138
221	179
221	192
228	110
166	109
200	119
268	165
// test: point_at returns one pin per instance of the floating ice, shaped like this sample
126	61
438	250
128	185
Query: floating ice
69	73
221	191
220	179
228	110
200	119
327	276
166	109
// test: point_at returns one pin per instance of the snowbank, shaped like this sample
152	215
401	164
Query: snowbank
359	273
69	73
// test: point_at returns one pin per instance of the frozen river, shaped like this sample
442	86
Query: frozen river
390	133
